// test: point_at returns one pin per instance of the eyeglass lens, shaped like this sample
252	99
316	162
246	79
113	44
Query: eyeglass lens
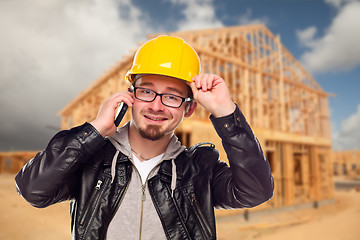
167	99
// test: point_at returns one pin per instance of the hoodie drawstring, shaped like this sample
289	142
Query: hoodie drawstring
173	177
113	165
120	141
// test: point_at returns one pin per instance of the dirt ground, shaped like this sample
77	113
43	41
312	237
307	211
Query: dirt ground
339	220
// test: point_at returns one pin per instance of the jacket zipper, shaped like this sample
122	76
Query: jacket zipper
200	214
93	202
97	188
98	185
143	198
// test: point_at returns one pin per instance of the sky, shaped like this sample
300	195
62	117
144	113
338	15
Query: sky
50	51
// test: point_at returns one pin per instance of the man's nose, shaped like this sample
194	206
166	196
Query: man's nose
157	105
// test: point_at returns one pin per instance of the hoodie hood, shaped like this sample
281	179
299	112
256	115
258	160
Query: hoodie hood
120	140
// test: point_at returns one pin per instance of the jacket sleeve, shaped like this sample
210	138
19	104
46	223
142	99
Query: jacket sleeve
53	175
248	181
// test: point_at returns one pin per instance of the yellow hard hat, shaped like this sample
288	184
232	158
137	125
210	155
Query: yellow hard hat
165	55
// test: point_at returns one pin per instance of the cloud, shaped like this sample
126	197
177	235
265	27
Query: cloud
50	52
199	14
339	3
247	19
306	36
348	138
338	50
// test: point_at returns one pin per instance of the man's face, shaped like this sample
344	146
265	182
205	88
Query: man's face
154	120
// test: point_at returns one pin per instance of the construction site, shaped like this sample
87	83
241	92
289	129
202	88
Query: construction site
286	108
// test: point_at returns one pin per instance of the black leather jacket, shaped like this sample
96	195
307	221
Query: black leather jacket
76	166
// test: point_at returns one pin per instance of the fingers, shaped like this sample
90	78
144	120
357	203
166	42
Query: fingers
205	82
117	98
211	92
104	122
201	82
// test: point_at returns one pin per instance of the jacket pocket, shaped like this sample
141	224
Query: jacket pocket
203	223
93	203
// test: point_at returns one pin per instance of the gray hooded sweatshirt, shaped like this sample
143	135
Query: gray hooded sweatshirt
136	217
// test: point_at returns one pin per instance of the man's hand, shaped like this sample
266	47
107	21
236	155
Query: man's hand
104	121
211	92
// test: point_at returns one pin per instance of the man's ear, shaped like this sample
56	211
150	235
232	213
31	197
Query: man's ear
190	109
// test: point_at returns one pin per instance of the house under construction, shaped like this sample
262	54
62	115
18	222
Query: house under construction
286	108
346	163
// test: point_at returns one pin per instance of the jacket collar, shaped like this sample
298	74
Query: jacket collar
165	170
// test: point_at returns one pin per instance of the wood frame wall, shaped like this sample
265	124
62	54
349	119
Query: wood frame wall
12	162
346	163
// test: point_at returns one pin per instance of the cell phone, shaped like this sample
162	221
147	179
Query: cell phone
120	113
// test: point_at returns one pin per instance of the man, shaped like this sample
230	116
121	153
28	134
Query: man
138	182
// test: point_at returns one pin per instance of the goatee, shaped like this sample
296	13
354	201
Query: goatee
151	132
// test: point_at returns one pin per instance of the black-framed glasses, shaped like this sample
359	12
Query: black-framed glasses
167	99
